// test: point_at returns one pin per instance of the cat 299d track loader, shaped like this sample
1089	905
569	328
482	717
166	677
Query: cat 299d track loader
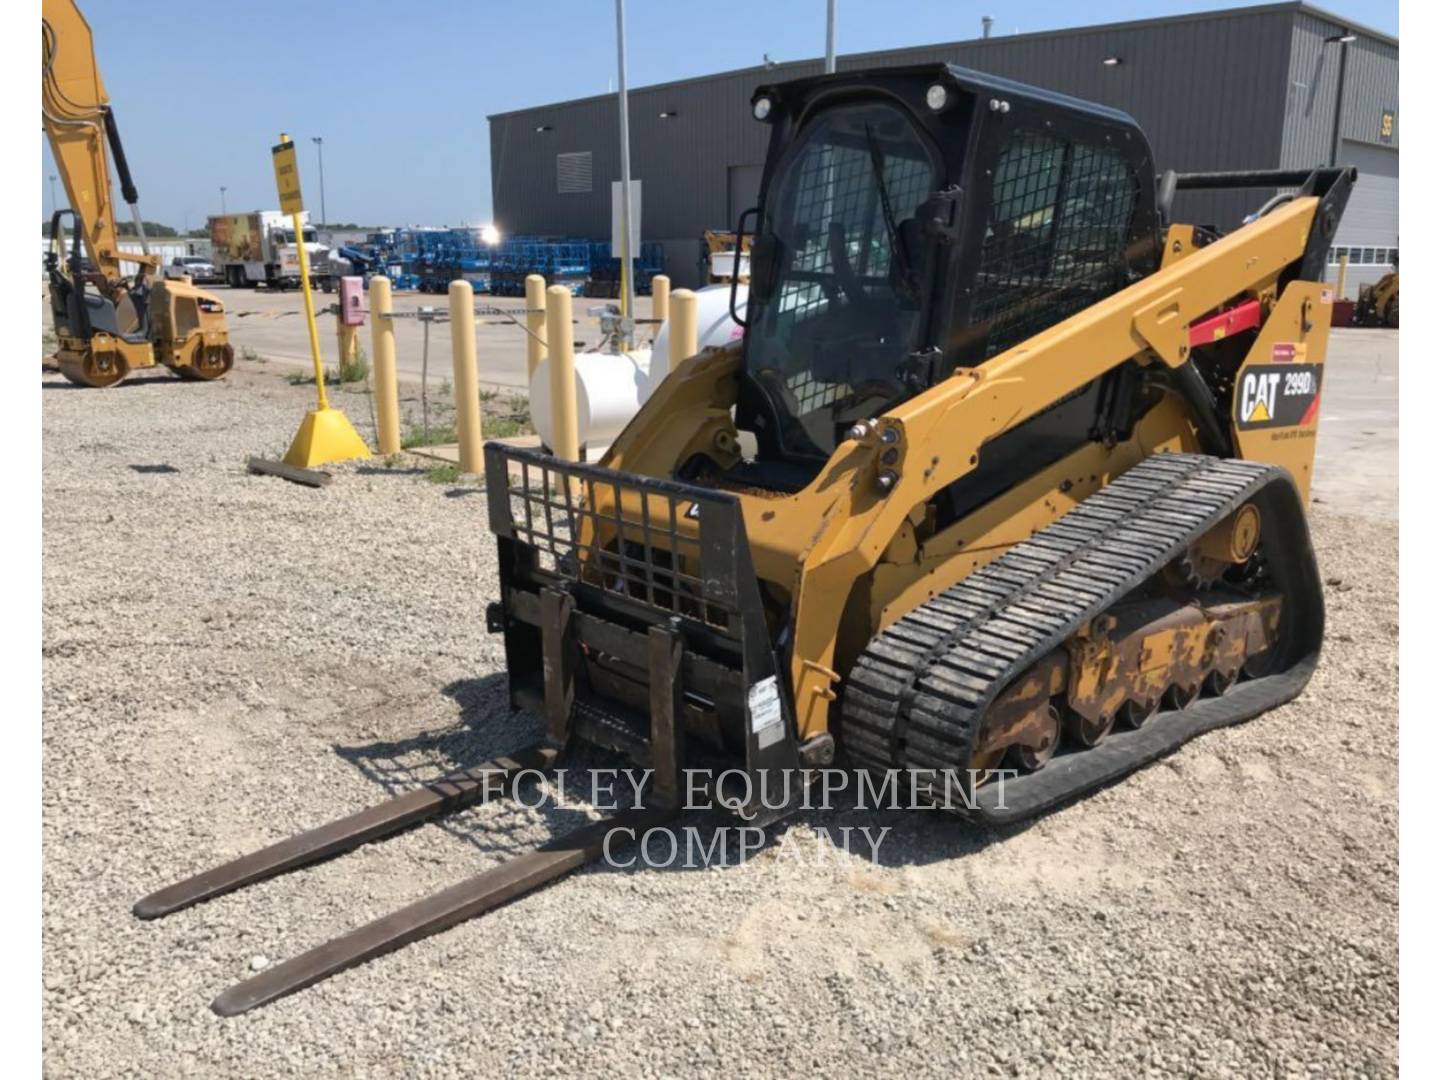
1006	480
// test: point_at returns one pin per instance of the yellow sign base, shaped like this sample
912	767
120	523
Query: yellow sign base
325	435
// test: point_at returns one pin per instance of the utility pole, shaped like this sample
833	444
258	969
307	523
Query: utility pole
319	141
54	204
222	198
627	274
829	37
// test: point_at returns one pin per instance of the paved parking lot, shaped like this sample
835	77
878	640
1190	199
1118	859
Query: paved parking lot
273	325
1358	452
1358	448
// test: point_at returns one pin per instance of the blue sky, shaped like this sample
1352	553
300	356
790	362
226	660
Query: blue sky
400	91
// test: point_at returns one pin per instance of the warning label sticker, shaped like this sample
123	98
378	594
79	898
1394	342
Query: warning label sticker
1288	352
1277	395
766	716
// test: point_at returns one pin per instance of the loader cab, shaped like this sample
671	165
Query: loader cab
915	220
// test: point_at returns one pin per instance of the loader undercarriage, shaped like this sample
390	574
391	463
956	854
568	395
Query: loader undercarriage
1081	627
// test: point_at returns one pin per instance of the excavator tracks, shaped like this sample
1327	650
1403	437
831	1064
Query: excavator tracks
917	697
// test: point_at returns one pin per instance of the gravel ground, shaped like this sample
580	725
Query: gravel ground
229	659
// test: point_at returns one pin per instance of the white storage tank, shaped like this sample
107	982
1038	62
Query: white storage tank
610	387
714	321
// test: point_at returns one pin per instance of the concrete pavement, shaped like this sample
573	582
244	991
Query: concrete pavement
273	325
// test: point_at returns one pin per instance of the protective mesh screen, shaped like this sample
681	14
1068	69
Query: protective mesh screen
836	190
1060	214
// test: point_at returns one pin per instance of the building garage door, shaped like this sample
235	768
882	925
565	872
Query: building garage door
1370	230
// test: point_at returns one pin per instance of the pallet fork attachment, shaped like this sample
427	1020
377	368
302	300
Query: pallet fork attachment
464	900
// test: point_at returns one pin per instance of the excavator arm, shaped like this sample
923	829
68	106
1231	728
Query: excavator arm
80	125
106	324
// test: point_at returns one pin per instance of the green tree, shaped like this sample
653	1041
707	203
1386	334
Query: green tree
152	228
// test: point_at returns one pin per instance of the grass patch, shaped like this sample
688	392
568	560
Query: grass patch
354	369
443	474
505	427
507	420
440	435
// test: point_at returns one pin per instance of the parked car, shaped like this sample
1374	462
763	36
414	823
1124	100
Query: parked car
197	268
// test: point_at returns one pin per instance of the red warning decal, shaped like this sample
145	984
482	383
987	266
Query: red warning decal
1287	352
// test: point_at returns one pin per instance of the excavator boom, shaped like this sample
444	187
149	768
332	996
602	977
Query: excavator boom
79	123
131	323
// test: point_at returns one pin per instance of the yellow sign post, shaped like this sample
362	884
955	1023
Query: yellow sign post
325	434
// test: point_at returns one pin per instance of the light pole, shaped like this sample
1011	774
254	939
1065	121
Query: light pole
222	198
54	205
627	267
1343	39
319	141
830	38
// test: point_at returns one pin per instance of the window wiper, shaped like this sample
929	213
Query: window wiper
897	249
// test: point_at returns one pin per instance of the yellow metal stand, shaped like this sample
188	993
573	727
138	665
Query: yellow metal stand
325	434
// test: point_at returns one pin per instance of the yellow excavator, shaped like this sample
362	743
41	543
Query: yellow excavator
109	324
1001	496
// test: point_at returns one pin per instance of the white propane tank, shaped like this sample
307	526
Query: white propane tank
715	324
609	389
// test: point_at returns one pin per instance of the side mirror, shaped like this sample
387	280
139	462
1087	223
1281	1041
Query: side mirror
767	252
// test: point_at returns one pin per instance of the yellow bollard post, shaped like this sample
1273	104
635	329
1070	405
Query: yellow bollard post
561	340
1340	281
534	324
467	379
346	341
684	332
660	298
382	345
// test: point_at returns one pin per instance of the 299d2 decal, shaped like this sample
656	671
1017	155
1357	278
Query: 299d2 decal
1277	395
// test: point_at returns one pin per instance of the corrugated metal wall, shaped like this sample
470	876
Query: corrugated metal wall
683	159
1372	76
1205	90
1372	87
1209	91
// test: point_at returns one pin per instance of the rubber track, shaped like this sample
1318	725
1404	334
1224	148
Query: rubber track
915	697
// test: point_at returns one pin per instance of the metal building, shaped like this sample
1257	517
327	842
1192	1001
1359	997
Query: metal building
1275	86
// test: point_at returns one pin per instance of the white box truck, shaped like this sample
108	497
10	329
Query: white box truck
258	248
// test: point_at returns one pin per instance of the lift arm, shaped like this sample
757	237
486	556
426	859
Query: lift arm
79	123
